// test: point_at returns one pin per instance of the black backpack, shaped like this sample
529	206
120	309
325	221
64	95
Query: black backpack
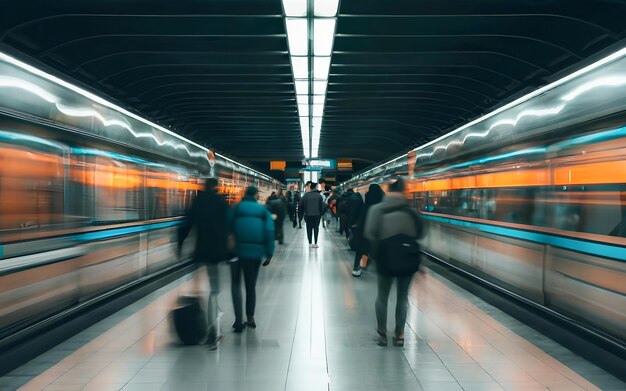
399	255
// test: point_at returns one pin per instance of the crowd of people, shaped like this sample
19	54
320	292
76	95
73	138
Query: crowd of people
379	226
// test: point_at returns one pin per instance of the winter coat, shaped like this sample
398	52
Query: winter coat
210	215
253	228
278	206
380	225
374	196
354	208
312	203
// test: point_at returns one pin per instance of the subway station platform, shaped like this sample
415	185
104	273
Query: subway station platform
315	332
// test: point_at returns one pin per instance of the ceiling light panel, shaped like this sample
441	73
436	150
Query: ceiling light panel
319	87
323	34
303	110
302	87
300	66
318	110
298	36
296	7
326	7
302	99
321	67
318	99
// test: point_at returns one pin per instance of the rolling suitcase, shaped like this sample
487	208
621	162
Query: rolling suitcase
190	320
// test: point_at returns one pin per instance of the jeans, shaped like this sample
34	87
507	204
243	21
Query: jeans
384	286
213	308
250	269
312	225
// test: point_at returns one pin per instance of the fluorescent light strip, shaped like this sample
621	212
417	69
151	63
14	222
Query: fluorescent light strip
318	110
103	102
300	67
297	36
321	67
303	110
302	99
318	99
302	87
326	7
296	7
323	34
319	87
612	57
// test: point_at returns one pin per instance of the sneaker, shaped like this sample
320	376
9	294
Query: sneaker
356	273
316	246
310	245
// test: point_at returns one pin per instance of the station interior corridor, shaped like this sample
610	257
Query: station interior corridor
315	332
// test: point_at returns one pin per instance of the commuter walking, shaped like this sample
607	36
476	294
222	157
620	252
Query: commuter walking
253	228
290	204
277	206
373	196
342	210
209	213
312	205
353	209
325	208
393	227
297	220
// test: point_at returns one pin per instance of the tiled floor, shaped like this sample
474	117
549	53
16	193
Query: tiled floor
315	332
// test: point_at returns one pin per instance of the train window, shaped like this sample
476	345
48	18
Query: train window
119	192
596	209
169	192
31	190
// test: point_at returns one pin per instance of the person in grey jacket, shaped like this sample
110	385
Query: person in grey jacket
383	221
312	204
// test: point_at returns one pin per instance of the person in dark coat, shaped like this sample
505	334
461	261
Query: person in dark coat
277	206
373	196
353	210
312	205
290	204
297	220
342	210
210	215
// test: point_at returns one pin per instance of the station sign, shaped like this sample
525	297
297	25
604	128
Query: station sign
278	165
319	164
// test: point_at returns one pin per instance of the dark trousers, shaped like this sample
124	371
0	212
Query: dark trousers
312	226
357	260
402	303
278	229
250	270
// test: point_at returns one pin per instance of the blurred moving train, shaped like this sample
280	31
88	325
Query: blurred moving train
90	195
532	197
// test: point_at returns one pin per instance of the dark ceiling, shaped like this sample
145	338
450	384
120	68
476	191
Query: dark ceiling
402	73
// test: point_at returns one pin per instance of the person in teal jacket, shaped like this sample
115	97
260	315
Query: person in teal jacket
253	228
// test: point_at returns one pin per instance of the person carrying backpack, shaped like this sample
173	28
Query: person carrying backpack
393	227
253	228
